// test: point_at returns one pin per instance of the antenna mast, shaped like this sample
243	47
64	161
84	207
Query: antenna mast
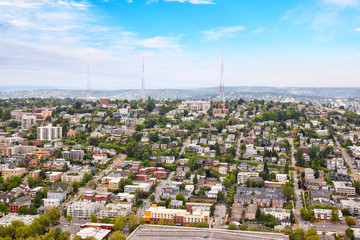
221	108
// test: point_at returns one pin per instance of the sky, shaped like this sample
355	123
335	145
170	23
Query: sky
281	43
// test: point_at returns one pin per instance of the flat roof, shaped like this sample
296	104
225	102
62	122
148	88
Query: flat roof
159	232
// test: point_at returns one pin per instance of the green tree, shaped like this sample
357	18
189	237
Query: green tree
6	115
349	233
94	219
350	221
232	226
120	223
33	210
180	197
346	212
105	220
23	210
334	215
69	218
133	222
4	208
54	215
117	235
292	217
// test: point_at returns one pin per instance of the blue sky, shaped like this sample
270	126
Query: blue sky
278	43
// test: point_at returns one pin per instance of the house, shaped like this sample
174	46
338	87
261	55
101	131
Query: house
21	201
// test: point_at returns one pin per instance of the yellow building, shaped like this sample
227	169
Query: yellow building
12	172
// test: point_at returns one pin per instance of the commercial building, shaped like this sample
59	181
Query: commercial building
178	216
161	232
49	133
341	188
96	233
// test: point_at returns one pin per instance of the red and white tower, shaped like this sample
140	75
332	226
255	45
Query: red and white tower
221	108
143	83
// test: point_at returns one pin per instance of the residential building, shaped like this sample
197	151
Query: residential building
178	216
53	194
341	188
27	121
12	172
243	176
49	133
278	213
51	202
80	210
325	214
113	210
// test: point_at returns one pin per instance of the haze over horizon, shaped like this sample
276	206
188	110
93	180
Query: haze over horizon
311	43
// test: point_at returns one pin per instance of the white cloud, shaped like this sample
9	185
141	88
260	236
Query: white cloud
357	29
219	32
192	1
160	42
197	2
129	1
342	3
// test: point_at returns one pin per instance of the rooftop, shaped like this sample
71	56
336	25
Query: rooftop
157	232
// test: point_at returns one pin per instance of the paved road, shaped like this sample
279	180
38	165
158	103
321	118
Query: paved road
238	145
350	161
188	141
82	190
220	211
157	193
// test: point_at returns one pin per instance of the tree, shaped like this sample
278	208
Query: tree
243	226
334	215
23	210
289	192
31	182
180	197
69	218
105	220
346	212
195	180
350	233
3	208
253	229
54	215
150	104
298	234
6	115
311	234
350	221
94	219
292	217
133	222
117	235
33	210
120	223
161	222
232	226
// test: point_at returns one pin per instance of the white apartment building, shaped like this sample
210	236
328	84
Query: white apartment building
202	106
143	187
243	176
27	121
325	214
72	177
113	210
281	177
334	163
51	202
341	188
278	213
49	133
352	204
121	197
83	210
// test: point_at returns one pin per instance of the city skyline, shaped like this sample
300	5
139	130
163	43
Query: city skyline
266	43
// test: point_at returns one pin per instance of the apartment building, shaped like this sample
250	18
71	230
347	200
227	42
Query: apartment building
143	187
278	213
27	121
49	133
12	172
72	177
325	214
73	154
178	216
83	210
243	176
341	188
113	210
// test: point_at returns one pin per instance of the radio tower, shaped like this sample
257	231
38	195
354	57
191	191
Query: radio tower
88	75
143	83
221	108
